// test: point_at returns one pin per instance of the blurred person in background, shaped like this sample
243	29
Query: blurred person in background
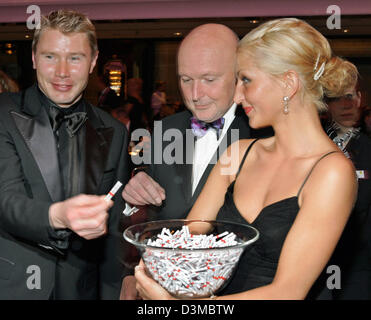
158	99
108	99
7	84
353	254
366	120
139	117
122	113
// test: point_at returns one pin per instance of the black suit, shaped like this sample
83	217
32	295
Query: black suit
30	181
176	179
353	251
353	254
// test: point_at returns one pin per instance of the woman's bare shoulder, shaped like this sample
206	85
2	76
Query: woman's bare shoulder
333	171
336	163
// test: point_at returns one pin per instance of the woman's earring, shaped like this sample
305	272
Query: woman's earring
286	104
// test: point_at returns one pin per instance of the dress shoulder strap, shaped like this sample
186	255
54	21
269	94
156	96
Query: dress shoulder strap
311	170
244	157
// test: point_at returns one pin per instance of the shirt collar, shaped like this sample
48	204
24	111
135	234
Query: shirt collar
229	116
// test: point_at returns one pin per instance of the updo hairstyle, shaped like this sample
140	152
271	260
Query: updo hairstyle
281	45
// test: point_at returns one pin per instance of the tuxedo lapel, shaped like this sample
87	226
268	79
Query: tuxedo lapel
34	126
97	144
184	169
239	125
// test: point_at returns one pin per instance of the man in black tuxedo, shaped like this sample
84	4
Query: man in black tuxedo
352	254
55	242
206	69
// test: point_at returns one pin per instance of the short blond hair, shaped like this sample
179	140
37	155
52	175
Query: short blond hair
280	45
67	21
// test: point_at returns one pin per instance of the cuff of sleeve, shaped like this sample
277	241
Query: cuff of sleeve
59	239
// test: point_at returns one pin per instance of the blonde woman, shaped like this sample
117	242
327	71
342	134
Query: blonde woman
296	187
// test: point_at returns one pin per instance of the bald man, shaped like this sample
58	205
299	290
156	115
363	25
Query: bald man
206	70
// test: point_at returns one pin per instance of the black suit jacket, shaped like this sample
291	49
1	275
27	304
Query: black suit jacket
176	179
30	183
353	251
353	254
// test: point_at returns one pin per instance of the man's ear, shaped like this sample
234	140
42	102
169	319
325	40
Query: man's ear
358	98
291	83
93	62
33	60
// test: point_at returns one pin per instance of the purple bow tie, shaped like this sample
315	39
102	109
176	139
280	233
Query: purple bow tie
199	128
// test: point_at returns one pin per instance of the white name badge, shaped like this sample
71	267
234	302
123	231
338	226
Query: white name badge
360	174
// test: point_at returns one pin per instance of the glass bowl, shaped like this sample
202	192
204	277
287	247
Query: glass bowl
191	272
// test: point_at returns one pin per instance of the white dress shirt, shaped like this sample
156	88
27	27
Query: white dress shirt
206	146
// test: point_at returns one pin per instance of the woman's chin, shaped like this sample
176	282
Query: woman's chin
255	125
